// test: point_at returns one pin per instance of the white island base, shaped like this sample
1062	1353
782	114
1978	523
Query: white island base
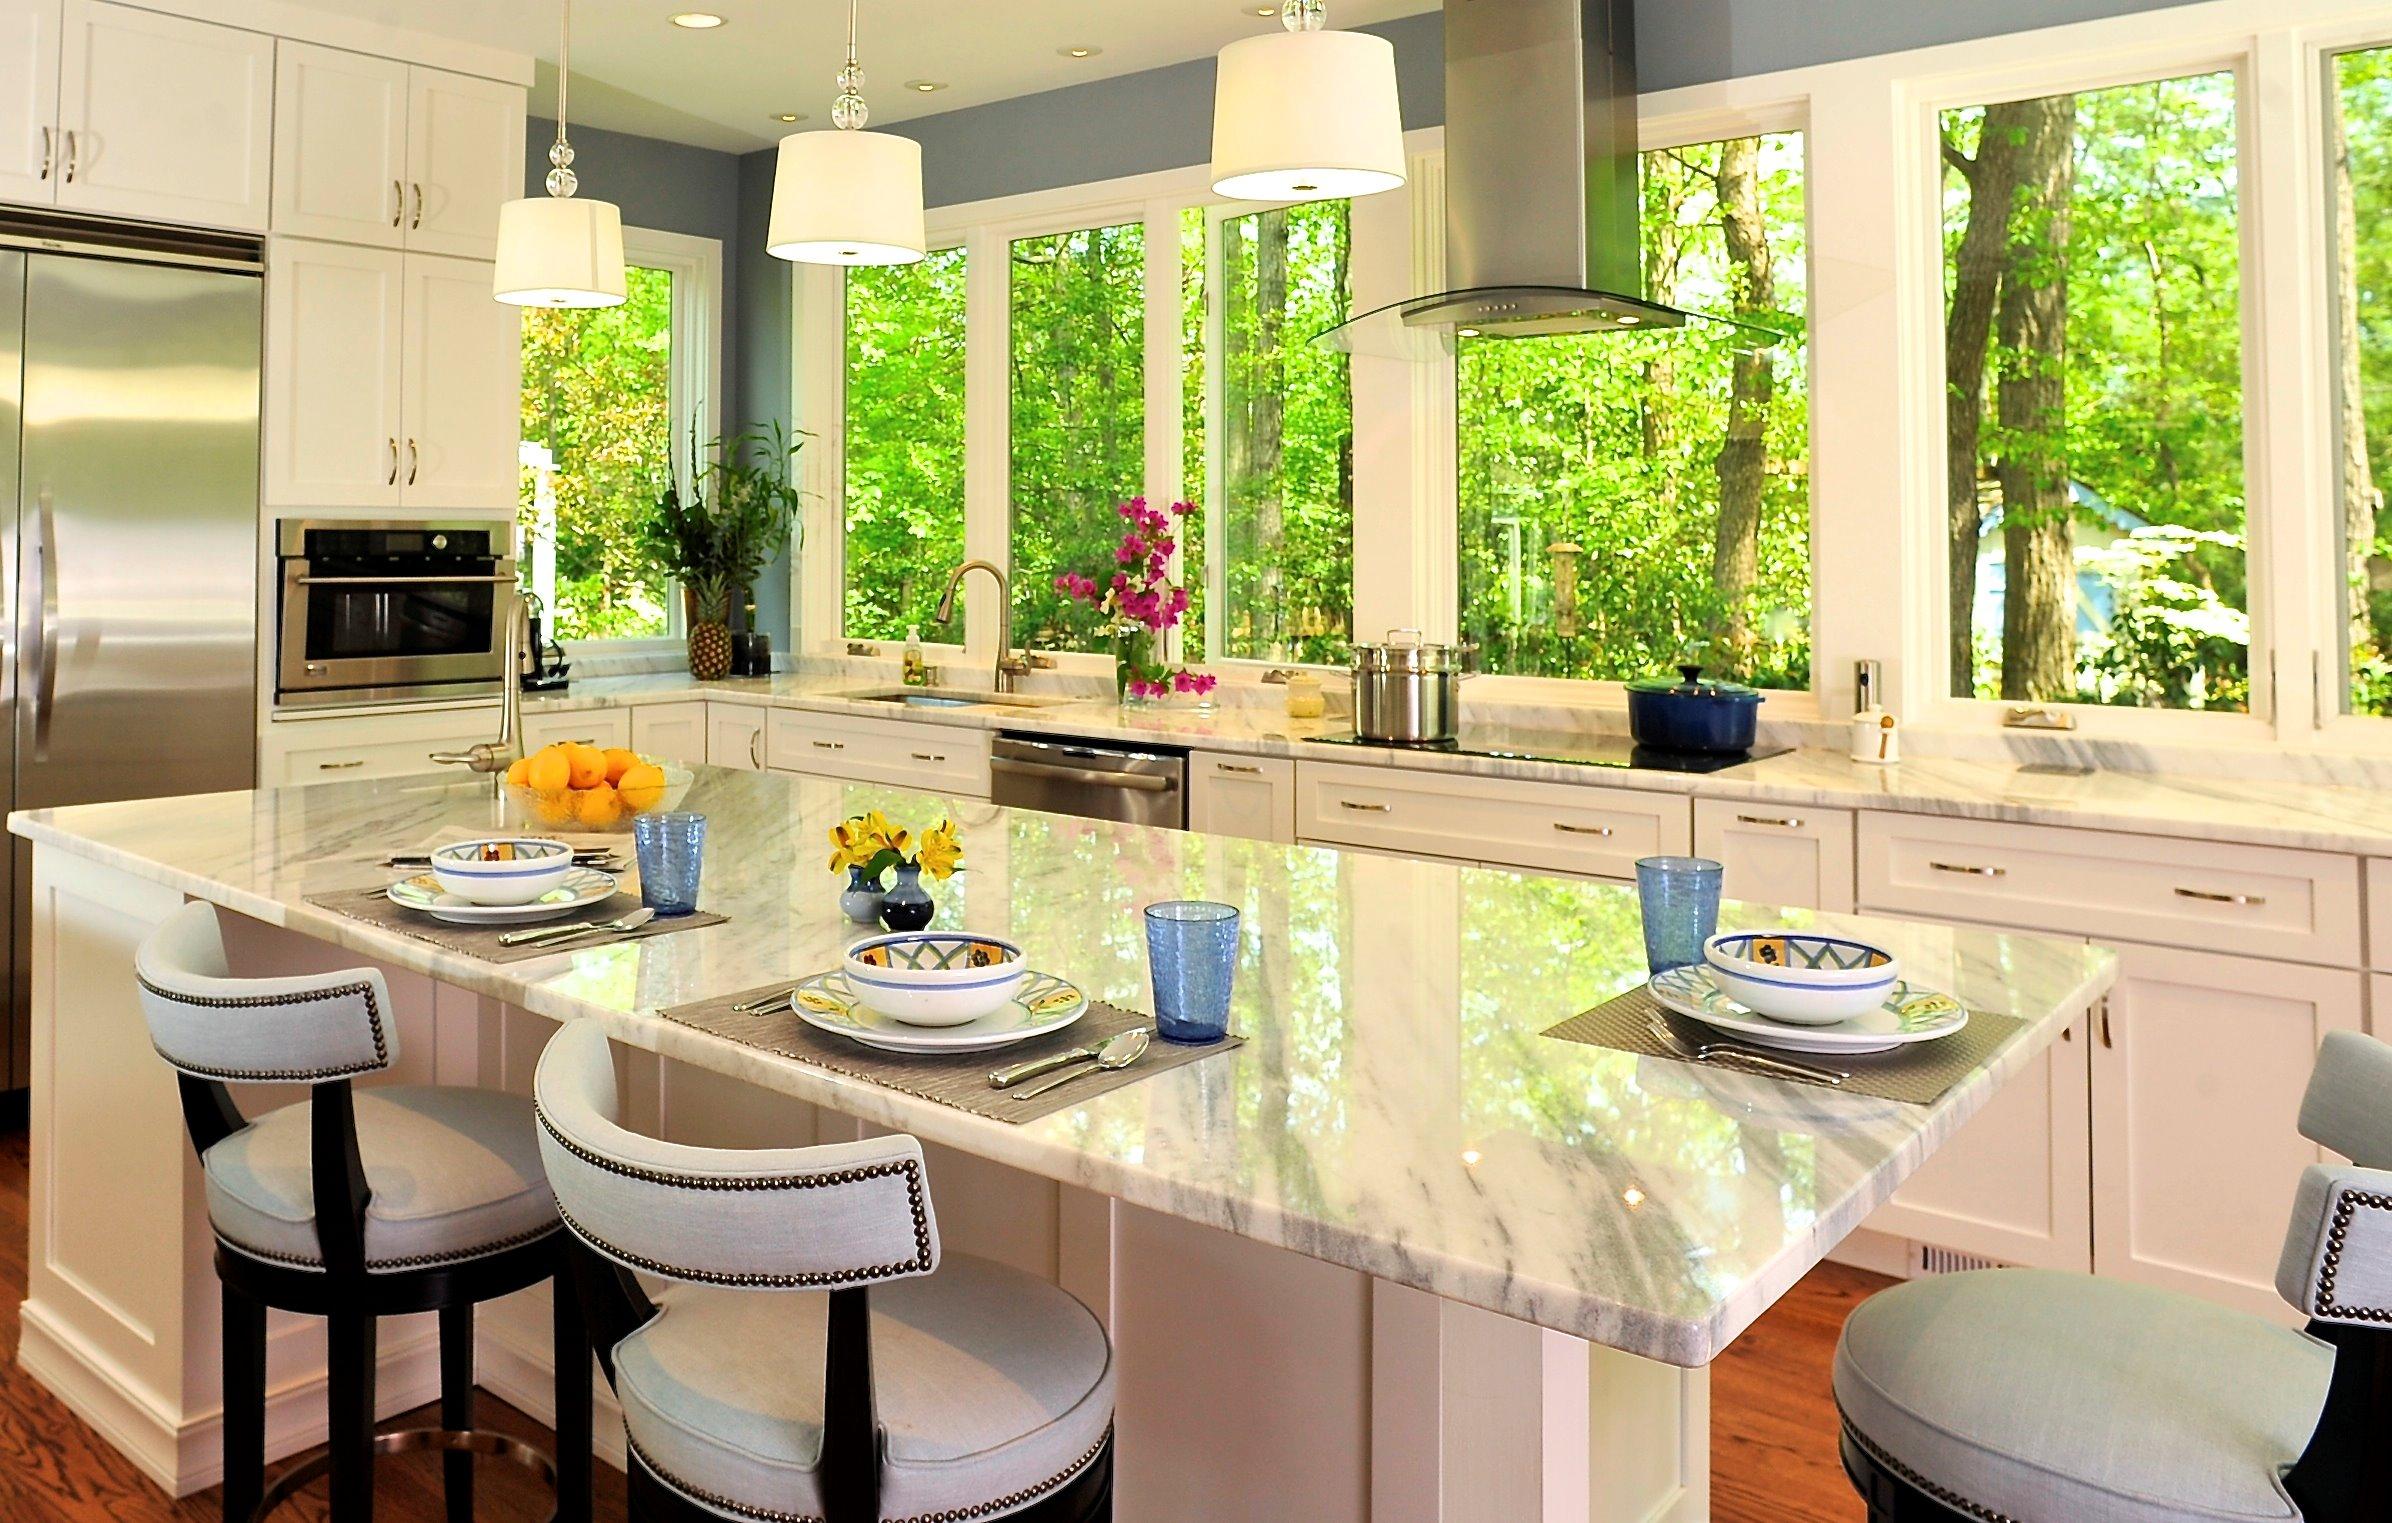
1255	1383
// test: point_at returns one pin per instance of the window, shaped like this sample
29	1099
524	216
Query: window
1079	418
2093	342
904	443
2360	148
1279	515
1630	500
610	396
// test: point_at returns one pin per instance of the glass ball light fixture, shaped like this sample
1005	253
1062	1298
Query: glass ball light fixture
1307	114
848	197
558	250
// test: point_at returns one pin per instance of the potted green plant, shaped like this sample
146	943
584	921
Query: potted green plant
713	529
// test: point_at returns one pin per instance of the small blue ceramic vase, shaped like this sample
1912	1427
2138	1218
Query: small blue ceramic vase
860	900
907	907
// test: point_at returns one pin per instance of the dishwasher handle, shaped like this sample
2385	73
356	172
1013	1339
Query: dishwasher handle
1089	777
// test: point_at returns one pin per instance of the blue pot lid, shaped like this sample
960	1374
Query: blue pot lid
1690	684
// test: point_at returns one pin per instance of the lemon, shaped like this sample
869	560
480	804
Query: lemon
588	764
520	773
618	762
597	807
551	771
642	787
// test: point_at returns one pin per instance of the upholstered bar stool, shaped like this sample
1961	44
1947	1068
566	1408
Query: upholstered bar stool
804	1361
352	1206
2022	1396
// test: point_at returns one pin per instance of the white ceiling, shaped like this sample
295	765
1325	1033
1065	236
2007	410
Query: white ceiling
635	72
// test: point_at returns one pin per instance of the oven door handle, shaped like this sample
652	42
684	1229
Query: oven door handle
402	581
1087	777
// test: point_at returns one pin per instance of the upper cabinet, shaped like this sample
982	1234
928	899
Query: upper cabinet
133	114
392	155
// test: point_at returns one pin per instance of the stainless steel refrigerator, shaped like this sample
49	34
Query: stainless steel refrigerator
129	530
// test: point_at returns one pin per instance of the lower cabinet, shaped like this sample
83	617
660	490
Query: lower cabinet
1537	827
346	748
603	728
1249	796
674	731
899	753
735	736
1775	854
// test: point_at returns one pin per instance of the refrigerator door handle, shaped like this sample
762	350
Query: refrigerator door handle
45	637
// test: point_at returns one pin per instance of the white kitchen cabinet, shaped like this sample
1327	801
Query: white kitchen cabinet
674	731
1800	857
2198	1073
461	364
1539	827
1249	796
340	146
333	338
163	118
735	736
349	748
604	728
29	100
390	379
464	160
899	753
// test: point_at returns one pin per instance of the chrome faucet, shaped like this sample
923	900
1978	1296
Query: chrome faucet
1010	663
500	754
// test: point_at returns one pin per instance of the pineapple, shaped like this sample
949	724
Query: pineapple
709	629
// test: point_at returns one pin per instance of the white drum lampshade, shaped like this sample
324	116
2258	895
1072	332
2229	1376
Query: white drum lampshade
1307	116
559	251
847	198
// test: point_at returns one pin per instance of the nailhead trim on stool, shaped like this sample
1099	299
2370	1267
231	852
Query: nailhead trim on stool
373	1017
1005	1503
386	1266
2344	1209
1943	1494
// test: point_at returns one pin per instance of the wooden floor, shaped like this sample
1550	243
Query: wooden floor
1772	1426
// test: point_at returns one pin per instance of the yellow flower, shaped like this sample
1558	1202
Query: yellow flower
941	850
877	829
853	844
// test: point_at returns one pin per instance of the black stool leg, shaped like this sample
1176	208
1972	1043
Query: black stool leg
456	1406
350	1368
244	1405
572	1350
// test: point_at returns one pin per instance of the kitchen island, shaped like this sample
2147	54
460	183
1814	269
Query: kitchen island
1397	1257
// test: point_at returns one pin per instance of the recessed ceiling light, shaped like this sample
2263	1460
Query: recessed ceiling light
1469	333
788	117
1079	50
1629	319
1262	10
926	86
697	21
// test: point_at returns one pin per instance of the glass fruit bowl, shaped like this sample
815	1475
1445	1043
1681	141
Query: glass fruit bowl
595	797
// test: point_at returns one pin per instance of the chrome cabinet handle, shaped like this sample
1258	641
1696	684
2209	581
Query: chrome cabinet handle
419	207
754	760
45	637
402	581
2209	898
347	766
49	152
70	156
827	745
412	462
392	479
1365	808
1246	771
1581	830
398	203
2105	1025
1782	822
1973	872
925	756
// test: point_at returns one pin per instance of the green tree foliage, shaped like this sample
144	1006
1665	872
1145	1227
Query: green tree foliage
1591	468
2363	269
597	392
1079	412
905	439
2147	442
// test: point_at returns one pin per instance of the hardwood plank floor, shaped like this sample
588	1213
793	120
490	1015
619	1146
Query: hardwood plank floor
1773	1444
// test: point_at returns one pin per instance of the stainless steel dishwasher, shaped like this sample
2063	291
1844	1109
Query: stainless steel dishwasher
1098	782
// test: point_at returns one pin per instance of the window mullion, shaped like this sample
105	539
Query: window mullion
1216	426
1165	465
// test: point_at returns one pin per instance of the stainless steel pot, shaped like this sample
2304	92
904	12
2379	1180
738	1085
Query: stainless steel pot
1407	691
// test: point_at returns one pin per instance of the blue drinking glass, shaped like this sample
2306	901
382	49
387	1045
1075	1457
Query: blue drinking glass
672	854
1680	899
1192	949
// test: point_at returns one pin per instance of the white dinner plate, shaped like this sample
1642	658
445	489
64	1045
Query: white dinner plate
1910	1014
1045	1003
583	887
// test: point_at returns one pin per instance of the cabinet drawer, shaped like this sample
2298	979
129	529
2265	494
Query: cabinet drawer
2379	912
938	758
602	728
1799	857
2298	906
1558	827
337	761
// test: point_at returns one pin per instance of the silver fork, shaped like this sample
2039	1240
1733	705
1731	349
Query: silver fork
1708	1052
546	935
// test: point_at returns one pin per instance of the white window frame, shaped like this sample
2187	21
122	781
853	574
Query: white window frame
693	388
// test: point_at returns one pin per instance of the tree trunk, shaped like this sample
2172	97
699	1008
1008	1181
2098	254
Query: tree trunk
1344	625
1665	247
2031	404
1992	178
1742	462
1270	430
2359	498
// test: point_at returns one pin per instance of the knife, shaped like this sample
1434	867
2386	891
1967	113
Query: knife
1006	1078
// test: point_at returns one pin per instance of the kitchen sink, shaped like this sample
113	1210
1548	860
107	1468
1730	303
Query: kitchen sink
949	698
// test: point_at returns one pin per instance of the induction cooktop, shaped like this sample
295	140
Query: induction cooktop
1567	749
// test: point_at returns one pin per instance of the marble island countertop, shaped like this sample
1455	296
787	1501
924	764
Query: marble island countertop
1394	1110
2256	811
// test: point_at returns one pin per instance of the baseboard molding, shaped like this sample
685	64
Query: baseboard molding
1877	1252
519	1369
185	1456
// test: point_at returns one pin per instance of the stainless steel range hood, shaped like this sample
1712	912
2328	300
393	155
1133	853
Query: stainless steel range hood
1541	199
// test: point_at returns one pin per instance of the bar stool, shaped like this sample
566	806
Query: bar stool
2025	1396
976	1392
352	1206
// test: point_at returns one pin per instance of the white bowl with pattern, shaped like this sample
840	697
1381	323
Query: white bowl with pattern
1804	978
935	978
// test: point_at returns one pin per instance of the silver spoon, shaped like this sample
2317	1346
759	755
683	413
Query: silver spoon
630	922
1118	1053
1733	1052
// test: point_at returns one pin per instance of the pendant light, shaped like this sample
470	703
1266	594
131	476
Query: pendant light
848	197
1306	114
556	250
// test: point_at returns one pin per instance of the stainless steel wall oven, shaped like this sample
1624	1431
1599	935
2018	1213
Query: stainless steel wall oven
390	612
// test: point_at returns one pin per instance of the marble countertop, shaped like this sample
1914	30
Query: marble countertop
2255	811
1394	1109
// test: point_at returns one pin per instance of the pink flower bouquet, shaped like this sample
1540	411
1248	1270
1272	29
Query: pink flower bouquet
1140	601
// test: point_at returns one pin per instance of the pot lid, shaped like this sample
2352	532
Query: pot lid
1413	654
1690	684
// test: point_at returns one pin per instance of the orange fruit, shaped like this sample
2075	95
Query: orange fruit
618	762
598	807
588	764
554	808
642	787
550	771
520	773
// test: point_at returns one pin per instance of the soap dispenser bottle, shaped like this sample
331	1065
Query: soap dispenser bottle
917	672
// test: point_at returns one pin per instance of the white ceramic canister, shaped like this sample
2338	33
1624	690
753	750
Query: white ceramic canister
1876	738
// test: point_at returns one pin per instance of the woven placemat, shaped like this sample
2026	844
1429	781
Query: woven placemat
373	906
958	1079
1917	1075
